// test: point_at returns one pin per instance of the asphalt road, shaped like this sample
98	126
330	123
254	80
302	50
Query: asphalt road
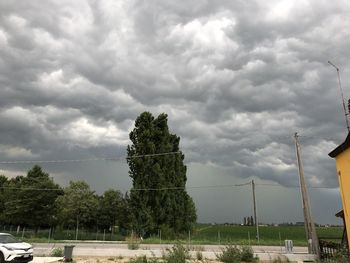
99	249
113	249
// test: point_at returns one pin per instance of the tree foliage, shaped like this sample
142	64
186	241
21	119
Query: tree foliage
110	209
35	200
158	196
3	183
78	205
30	199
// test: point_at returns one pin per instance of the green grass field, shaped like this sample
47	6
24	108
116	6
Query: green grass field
246	235
203	234
269	235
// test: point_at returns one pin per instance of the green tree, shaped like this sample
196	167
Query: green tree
125	215
151	171
30	199
110	208
78	206
3	183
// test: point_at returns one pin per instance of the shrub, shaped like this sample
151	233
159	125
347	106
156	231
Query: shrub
143	259
115	258
199	255
133	242
196	248
341	257
232	254
133	245
167	232
177	254
247	255
282	259
56	252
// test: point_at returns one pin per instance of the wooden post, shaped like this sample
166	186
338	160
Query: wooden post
255	217
310	229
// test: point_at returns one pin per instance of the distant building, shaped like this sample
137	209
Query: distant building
342	161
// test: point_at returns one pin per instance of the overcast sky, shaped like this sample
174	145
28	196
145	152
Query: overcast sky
237	79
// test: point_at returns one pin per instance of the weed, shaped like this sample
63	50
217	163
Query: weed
341	257
247	254
199	255
281	259
197	248
57	252
133	246
133	242
232	254
177	254
143	259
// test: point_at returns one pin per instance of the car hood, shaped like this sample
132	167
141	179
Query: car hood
20	245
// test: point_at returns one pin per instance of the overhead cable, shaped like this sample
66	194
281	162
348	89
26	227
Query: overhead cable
89	159
174	188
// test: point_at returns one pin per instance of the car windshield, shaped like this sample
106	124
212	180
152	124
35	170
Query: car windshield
5	239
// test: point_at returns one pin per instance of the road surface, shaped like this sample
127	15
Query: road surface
104	249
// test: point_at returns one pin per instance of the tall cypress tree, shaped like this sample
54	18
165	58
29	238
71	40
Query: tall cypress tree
158	197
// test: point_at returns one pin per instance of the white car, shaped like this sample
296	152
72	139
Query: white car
13	250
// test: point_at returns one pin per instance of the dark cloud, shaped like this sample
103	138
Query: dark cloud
237	79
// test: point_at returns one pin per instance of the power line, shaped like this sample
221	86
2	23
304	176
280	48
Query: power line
189	187
59	161
293	186
30	188
173	188
87	160
153	154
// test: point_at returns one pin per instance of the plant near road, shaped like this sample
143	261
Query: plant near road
199	255
232	254
115	258
56	252
281	259
133	242
177	254
247	254
341	257
143	259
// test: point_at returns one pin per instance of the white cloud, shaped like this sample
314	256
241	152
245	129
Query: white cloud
85	134
3	38
14	152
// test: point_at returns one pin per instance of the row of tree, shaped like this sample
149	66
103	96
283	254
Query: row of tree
35	200
157	200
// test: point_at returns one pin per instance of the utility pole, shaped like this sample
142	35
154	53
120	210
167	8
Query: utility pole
255	218
310	229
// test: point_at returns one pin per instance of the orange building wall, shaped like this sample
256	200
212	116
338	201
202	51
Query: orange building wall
343	170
